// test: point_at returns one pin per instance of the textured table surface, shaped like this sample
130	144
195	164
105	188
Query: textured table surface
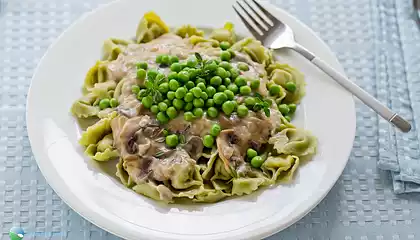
360	206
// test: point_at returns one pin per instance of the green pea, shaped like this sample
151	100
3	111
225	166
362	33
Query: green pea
211	66
104	103
180	92
274	90
178	103
173	85
147	101
196	91
159	58
198	102
290	86
204	96
193	73
255	84
135	89
250	102
192	62
188	106
142	65
209	103
162	118
170	95
219	98
245	90
221	88
233	88
251	153
208	141
198	112
292	107
163	88
225	65
221	72
162	106
230	95
171	112
113	102
176	67
154	109
284	109
242	111
173	59
211	91
234	73
141	74
228	107
227	81
257	162
212	112
216	81
172	75
183	65
166	60
288	118
200	80
224	45
152	73
168	102
202	86
243	66
188	116
183	76
172	140
189	97
269	101
189	85
236	104
225	56
215	130
240	81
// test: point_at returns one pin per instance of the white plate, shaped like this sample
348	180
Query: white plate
327	110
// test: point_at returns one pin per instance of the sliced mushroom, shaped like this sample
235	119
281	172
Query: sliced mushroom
194	147
231	148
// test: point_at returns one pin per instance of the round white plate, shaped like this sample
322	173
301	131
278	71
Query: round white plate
327	110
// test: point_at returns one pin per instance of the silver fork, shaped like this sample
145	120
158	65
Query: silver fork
275	34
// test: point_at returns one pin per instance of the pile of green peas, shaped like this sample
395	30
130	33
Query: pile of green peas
187	90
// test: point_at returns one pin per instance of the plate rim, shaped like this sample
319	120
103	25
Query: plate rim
71	199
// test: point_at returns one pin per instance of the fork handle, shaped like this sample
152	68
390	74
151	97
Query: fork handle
365	97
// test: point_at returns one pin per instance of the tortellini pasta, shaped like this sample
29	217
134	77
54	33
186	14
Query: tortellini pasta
255	50
150	27
189	31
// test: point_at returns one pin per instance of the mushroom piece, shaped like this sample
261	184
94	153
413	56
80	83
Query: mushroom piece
231	148
194	147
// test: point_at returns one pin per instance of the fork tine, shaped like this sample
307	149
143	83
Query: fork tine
267	13
254	32
262	19
261	27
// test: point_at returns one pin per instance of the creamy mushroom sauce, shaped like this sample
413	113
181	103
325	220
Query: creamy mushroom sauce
139	137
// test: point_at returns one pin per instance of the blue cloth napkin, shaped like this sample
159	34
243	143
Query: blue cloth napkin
398	84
